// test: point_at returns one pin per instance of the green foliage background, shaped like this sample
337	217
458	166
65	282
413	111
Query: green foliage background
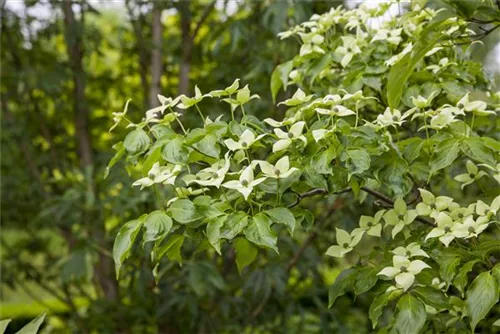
60	216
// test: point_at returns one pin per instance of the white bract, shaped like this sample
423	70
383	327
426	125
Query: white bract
246	182
246	140
390	118
345	243
285	139
412	250
214	175
348	49
118	116
370	225
187	102
404	271
337	110
392	36
470	227
476	107
489	211
473	174
444	230
157	174
431	204
280	170
399	217
298	98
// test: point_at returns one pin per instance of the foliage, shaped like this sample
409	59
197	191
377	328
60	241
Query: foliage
395	120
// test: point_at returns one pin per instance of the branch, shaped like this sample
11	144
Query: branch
203	18
314	192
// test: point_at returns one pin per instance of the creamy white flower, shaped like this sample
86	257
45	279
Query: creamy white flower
187	102
392	36
370	225
473	174
442	64
442	119
298	97
404	271
157	174
444	229
399	217
390	118
412	250
431	204
345	243
285	138
280	170
214	175
348	49
394	59
476	107
246	140
284	122
489	211
228	90
185	193
337	110
118	116
470	227
246	182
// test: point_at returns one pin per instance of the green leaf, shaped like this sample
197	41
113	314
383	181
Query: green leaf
234	225
357	160
282	216
279	78
322	162
183	211
411	315
366	278
172	248
213	232
481	296
153	156
401	71
374	82
478	151
175	152
448	262
446	152
120	151
157	225
137	141
160	130
4	324
246	253
344	281
124	241
378	304
259	232
461	279
496	273
432	297
208	146
33	326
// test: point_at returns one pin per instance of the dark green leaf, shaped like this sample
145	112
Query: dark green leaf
432	297
461	279
344	281
124	241
445	154
366	278
172	248
282	216
213	232
259	232
208	146
157	225
482	294
246	253
137	141
175	152
234	225
183	211
120	151
411	315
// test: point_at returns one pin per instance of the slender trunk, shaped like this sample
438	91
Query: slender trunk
137	24
187	48
156	55
74	48
74	45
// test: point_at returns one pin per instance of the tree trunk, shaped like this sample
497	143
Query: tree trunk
187	48
74	47
156	55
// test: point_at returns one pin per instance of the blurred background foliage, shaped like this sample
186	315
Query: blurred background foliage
66	66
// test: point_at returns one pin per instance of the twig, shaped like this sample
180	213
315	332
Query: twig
314	192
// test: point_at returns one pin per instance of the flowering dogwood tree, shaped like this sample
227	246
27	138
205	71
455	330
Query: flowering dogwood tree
395	118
